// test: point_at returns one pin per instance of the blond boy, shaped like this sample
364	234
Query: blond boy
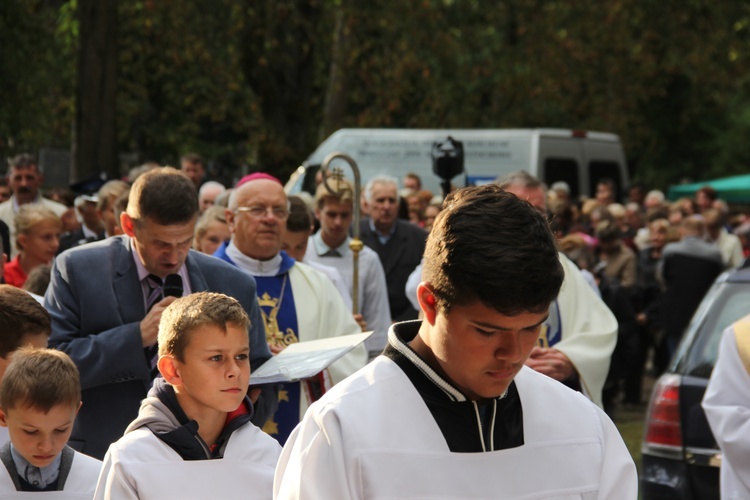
193	437
39	400
23	322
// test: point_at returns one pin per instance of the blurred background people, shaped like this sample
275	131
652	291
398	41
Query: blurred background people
207	194
688	269
194	167
211	230
92	225
5	191
107	197
37	240
25	180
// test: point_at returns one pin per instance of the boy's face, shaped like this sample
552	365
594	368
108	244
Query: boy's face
215	373
480	349
295	244
39	437
335	219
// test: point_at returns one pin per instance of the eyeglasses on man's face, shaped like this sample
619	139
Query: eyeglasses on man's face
259	211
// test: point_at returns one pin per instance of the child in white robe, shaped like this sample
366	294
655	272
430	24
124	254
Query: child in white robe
23	321
193	437
39	400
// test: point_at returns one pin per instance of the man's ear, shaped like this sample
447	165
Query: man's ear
427	302
169	370
127	224
3	418
229	217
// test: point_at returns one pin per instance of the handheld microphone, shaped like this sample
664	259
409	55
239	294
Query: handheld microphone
173	286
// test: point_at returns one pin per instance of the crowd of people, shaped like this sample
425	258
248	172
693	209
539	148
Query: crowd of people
599	293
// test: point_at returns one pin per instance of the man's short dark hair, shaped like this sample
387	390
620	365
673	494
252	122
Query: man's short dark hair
20	314
488	245
164	195
300	218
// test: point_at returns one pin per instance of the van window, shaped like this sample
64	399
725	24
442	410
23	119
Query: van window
562	169
308	180
605	170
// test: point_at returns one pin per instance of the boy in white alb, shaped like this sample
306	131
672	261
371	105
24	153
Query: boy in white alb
193	437
23	322
449	410
39	400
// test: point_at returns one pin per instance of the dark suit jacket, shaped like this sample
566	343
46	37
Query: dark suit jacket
689	268
400	256
74	239
96	303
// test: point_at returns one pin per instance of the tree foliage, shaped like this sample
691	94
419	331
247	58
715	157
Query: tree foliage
260	83
37	67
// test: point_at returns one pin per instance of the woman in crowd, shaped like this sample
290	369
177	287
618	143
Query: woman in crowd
211	230
37	238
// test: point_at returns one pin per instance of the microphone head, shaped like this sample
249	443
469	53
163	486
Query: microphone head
173	286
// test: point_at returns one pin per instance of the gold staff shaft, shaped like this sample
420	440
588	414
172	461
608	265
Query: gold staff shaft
355	244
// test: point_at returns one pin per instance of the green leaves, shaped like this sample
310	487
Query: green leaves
261	82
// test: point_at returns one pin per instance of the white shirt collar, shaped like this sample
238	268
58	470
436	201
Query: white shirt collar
321	248
252	266
88	233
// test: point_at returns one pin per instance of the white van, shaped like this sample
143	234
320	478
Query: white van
579	158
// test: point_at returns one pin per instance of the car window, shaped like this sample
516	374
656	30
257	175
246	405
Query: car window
720	308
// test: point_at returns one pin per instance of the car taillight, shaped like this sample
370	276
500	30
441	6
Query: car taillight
663	429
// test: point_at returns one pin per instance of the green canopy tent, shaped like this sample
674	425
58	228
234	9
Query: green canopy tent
735	189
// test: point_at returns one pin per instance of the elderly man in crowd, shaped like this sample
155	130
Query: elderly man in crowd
398	243
207	194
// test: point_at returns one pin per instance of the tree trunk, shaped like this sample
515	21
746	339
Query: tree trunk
95	137
336	93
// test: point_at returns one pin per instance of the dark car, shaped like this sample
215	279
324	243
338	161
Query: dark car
680	456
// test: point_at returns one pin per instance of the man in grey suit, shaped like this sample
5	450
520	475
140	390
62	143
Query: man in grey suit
106	300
